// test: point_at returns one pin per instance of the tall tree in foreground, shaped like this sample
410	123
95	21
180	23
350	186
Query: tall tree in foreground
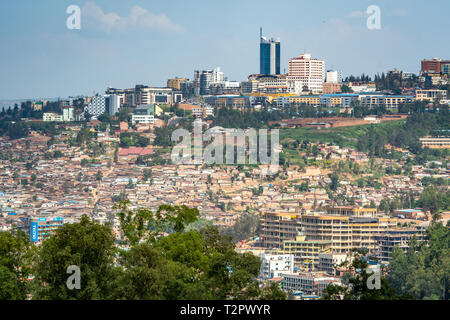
424	271
16	255
158	259
357	287
86	244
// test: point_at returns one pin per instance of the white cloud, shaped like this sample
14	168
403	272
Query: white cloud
93	16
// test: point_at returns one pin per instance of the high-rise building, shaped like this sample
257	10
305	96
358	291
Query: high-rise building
269	55
272	265
217	76
306	74
150	95
433	65
112	104
396	237
333	76
445	69
68	114
97	106
175	83
202	82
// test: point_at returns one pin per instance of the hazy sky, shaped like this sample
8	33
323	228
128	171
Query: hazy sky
123	43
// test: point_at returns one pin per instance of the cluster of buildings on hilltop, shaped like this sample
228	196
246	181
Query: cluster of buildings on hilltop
435	71
113	100
307	82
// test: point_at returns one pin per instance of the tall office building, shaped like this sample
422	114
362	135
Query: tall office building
269	55
217	76
205	78
202	82
333	76
433	65
97	106
68	114
112	104
175	83
306	74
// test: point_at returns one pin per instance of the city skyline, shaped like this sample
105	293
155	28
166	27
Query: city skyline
123	44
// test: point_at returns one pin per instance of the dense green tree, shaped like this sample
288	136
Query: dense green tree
357	287
434	200
16	256
86	244
11	287
246	226
334	184
424	271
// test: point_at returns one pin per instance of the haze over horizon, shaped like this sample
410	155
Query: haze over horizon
122	44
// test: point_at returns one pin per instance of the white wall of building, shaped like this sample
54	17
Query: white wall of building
305	71
272	265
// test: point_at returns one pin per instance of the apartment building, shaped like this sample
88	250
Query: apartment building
175	83
435	142
302	100
146	114
329	261
235	102
352	211
430	94
272	265
152	95
248	87
396	237
307	283
306	252
390	102
278	227
51	117
334	100
330	88
333	76
42	228
345	232
273	84
309	73
68	114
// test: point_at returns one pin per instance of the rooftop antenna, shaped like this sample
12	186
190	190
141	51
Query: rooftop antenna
260	32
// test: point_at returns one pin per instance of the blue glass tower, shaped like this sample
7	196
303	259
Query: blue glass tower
269	55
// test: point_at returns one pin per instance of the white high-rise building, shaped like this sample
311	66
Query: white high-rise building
217	76
68	114
112	104
306	74
272	265
333	76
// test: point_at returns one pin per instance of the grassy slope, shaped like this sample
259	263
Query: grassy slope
344	136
